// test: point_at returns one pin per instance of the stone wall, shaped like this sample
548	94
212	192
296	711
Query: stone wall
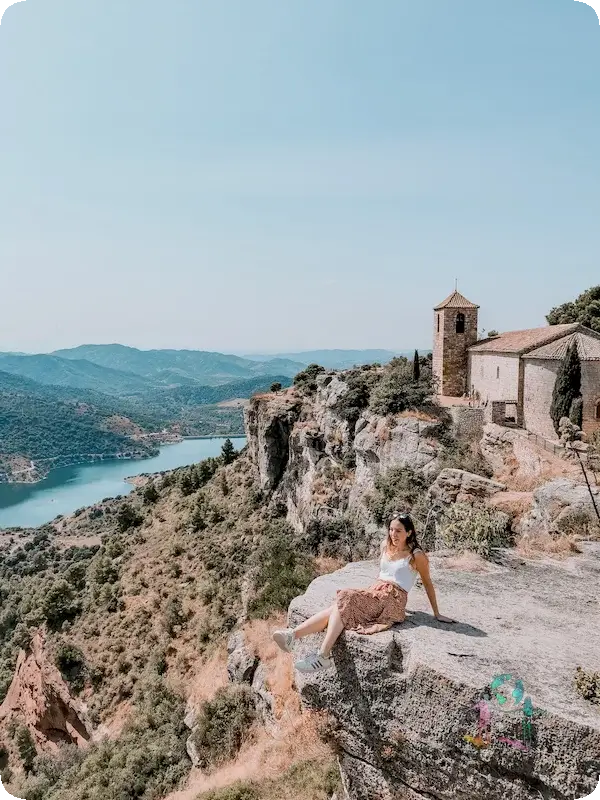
590	389
451	350
494	376
467	422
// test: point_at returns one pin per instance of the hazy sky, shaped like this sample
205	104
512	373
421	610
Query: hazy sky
284	175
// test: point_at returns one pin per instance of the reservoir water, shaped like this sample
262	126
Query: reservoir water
69	488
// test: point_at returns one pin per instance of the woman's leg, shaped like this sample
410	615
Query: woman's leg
314	624
335	629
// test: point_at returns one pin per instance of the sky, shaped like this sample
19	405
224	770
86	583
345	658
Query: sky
282	176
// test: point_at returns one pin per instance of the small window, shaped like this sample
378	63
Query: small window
598	410
497	373
438	323
460	323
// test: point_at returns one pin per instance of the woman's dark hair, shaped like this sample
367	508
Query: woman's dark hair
409	526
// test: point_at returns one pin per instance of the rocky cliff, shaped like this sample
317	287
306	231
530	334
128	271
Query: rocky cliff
408	710
319	461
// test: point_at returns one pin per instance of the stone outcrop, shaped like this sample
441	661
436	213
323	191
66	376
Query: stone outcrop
318	464
242	661
511	452
561	505
39	698
458	486
405	705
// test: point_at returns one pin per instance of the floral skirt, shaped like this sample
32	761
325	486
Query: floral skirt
373	609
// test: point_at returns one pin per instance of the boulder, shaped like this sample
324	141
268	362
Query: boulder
192	751
405	705
560	505
263	700
39	698
269	422
241	661
458	486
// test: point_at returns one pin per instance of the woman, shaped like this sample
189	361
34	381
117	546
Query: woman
370	610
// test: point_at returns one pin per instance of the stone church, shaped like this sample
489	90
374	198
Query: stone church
512	375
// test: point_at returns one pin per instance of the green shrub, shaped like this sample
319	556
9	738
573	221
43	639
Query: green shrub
399	489
475	528
71	663
128	517
360	384
587	685
398	391
306	380
25	746
147	762
337	537
150	493
281	571
222	725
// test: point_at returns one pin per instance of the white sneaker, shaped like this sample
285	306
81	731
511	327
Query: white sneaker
285	639
314	662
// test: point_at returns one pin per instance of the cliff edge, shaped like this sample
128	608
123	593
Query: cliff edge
409	715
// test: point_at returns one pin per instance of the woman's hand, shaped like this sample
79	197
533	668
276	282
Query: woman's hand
442	618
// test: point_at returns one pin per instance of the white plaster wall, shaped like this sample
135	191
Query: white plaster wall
495	377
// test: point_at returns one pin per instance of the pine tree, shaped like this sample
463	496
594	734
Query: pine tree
416	367
567	388
228	452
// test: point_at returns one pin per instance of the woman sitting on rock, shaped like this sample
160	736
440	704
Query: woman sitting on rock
370	610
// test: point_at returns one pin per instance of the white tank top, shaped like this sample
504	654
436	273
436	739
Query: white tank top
398	571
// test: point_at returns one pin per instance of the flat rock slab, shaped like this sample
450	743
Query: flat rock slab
403	701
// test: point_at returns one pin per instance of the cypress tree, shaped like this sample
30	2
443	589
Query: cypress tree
416	368
567	389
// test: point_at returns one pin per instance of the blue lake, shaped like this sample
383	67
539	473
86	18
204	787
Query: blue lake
69	488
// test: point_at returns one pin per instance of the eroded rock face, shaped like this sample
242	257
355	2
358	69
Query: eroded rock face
242	660
317	463
269	423
458	486
403	702
379	445
560	505
39	698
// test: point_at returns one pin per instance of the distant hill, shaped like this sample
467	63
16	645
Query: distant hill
76	374
49	426
178	367
337	359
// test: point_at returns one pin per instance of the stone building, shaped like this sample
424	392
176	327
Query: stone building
512	375
455	330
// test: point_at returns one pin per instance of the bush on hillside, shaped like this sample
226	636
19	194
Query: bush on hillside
128	517
306	381
400	489
222	725
360	384
281	571
147	762
587	685
337	537
150	494
398	391
71	663
475	528
303	781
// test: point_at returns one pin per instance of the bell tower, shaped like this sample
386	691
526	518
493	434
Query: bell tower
454	331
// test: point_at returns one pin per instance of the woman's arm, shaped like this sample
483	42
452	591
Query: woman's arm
422	565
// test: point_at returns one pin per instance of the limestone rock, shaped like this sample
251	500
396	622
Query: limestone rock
241	661
192	751
39	697
559	504
264	700
269	423
190	719
458	486
403	701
